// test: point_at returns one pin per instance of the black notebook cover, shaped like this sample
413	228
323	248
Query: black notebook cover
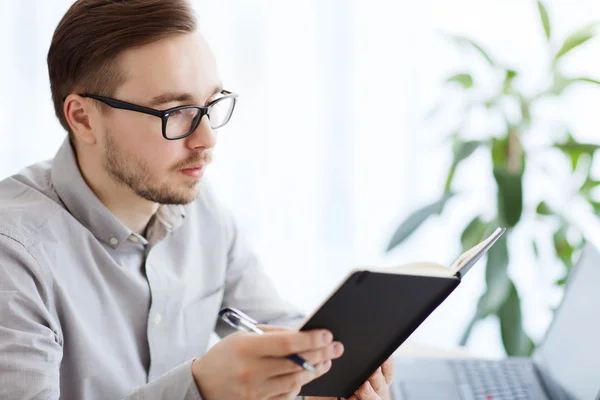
372	314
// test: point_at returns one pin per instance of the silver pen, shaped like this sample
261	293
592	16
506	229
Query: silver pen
242	322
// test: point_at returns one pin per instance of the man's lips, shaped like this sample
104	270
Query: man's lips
194	171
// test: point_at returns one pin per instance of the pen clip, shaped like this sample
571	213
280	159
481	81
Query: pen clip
239	320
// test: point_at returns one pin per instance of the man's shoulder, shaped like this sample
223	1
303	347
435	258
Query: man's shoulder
28	202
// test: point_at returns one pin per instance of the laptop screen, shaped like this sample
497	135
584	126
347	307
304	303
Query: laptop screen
569	356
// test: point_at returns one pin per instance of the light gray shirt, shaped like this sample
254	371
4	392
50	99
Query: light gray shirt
91	310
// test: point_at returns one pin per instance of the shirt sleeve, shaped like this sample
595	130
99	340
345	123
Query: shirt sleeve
30	340
249	289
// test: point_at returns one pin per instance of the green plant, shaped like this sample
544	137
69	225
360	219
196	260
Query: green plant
512	159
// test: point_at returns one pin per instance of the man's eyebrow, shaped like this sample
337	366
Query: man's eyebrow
179	97
168	98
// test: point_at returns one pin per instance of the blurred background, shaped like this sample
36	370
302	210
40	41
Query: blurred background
334	142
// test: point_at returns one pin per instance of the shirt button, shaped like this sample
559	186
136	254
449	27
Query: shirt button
157	319
113	241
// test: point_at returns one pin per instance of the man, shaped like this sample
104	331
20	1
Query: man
115	257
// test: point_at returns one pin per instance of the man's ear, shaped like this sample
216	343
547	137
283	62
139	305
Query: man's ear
80	113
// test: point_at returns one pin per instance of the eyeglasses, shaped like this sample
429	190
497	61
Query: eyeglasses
180	122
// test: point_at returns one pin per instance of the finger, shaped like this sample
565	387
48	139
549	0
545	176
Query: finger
388	370
378	382
331	352
287	396
278	344
292	383
276	366
365	392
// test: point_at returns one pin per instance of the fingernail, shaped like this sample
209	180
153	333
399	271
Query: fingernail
338	349
327	365
327	337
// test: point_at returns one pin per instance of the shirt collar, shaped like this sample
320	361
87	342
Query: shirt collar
83	204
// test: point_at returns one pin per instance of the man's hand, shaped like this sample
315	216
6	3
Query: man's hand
250	366
377	387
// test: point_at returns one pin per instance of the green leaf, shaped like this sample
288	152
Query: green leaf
515	341
584	79
561	281
586	189
465	80
492	102
510	195
414	221
496	278
574	150
462	150
563	248
467	333
572	42
545	19
508	160
596	206
468	42
575	40
473	233
510	75
561	83
543	209
499	151
505	148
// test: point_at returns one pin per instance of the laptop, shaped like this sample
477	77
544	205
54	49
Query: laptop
566	365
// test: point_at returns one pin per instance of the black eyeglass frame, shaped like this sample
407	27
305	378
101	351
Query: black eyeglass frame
164	114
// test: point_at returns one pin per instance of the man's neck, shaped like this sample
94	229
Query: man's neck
132	210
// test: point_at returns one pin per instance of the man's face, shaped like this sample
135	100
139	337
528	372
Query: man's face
176	71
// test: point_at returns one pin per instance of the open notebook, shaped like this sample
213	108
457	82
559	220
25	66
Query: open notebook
374	310
460	266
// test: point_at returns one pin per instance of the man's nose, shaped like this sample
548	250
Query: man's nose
203	136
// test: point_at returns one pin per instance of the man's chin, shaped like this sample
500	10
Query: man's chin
183	198
175	196
189	194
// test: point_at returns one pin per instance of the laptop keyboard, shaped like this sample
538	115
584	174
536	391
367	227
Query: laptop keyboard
512	379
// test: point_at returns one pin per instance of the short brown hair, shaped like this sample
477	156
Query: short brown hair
84	52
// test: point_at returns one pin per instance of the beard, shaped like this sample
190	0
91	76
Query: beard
135	173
